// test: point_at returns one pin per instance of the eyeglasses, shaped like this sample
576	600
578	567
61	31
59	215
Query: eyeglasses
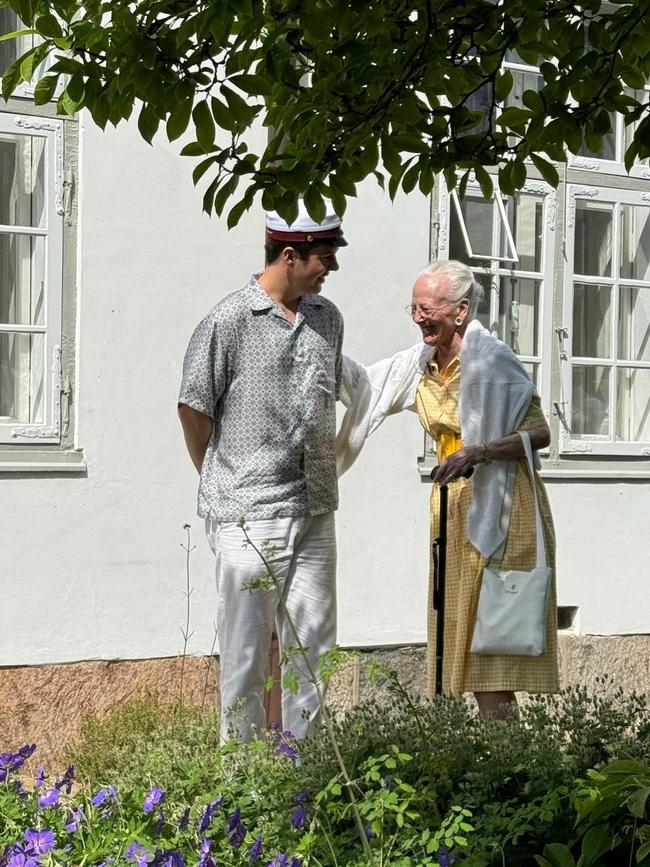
426	312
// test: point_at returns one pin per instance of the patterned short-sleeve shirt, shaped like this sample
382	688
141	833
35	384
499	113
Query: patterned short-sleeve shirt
270	387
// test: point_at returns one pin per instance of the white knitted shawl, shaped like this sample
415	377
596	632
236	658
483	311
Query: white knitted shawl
495	392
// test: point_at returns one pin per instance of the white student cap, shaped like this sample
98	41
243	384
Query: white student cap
304	228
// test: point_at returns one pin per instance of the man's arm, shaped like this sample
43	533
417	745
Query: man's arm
197	429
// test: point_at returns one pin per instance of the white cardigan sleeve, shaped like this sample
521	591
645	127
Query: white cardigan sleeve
372	393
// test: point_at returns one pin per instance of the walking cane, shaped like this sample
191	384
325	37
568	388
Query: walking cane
439	556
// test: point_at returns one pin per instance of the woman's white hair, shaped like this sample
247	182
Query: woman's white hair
462	283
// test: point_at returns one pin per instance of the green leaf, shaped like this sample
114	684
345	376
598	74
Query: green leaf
202	167
315	205
178	119
226	191
637	801
47	25
595	843
16	33
44	90
223	115
559	855
644	851
254	85
205	131
485	182
503	84
11	79
547	170
514	117
148	123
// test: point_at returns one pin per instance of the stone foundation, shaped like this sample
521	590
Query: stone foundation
45	704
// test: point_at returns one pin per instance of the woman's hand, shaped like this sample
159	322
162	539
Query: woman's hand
460	464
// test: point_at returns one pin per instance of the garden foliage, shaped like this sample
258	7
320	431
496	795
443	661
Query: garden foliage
565	782
398	91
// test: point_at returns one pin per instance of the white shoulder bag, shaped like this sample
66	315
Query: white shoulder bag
511	616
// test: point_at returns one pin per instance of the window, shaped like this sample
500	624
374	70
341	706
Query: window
31	226
12	49
606	369
509	244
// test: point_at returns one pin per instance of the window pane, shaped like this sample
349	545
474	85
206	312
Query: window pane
591	320
593	239
22	180
633	410
522	81
532	369
525	219
519	314
22	279
634	324
607	149
590	405
635	242
479	222
22	381
483	312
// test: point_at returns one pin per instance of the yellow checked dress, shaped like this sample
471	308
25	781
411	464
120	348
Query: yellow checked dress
437	405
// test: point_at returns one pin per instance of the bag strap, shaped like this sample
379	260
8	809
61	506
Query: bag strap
539	532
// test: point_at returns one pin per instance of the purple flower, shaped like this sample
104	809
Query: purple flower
10	762
108	792
20	789
445	857
49	798
255	850
21	860
39	842
77	817
168	858
153	797
27	750
299	817
205	859
281	860
369	832
40	778
236	829
284	746
208	816
66	780
302	797
138	854
185	820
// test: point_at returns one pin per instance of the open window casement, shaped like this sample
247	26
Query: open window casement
606	357
31	237
484	227
12	49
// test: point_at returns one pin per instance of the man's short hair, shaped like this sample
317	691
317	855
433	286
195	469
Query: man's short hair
273	248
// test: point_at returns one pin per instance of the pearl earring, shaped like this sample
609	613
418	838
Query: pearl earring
458	321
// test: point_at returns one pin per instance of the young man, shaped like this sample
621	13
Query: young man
261	378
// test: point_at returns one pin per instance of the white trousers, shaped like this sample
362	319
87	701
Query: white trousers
302	555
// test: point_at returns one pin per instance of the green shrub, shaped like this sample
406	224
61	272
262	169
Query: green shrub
144	742
434	783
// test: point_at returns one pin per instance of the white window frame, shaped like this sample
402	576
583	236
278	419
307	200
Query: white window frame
51	131
25	90
586	444
499	267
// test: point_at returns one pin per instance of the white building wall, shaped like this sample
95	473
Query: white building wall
92	566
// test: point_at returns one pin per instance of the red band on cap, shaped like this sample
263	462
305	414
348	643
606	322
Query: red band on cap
301	237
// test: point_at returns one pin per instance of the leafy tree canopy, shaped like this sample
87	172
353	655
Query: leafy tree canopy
348	88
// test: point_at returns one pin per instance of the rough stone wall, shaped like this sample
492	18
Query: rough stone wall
45	704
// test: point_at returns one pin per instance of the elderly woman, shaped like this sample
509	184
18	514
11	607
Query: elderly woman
472	396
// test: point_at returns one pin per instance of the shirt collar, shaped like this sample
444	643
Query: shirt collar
260	300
